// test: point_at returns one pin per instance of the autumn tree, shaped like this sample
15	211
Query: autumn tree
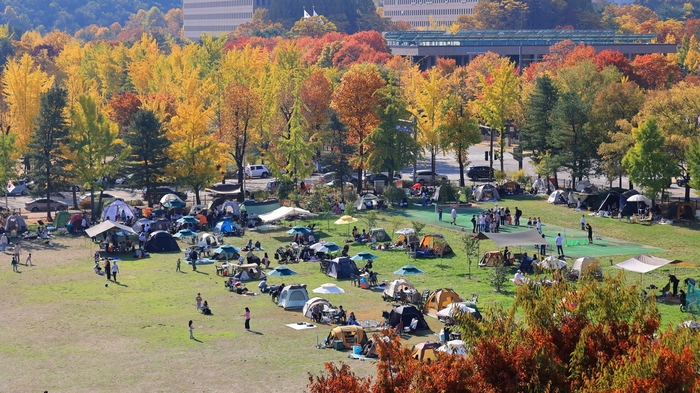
46	147
646	162
459	131
654	71
337	138
496	104
149	145
313	26
195	153
94	146
23	85
8	157
357	103
122	108
240	115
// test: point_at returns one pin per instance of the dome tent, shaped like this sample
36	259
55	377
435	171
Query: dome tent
486	193
161	241
293	297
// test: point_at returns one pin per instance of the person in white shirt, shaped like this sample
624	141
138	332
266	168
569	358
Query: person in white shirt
519	278
312	239
560	243
583	222
115	270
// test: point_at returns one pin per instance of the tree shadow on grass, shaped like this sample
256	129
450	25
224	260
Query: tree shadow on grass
442	266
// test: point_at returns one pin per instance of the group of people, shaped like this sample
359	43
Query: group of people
493	219
111	268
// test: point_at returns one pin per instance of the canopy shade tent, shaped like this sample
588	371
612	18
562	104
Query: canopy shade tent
280	271
408	269
285	211
328	247
299	230
328	289
188	220
364	256
642	263
105	226
344	220
524	238
184	233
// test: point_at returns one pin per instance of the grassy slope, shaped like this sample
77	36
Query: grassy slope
62	329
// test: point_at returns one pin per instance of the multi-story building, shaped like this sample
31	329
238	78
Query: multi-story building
421	13
217	16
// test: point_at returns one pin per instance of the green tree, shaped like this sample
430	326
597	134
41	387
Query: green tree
148	158
538	125
46	146
95	148
297	148
458	132
647	163
470	244
8	157
573	149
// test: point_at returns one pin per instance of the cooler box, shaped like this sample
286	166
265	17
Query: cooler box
339	345
356	349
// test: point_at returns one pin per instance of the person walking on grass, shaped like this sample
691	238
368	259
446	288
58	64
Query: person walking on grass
439	214
583	222
108	269
560	244
198	299
453	214
15	262
28	262
191	327
177	266
18	252
115	270
589	228
247	318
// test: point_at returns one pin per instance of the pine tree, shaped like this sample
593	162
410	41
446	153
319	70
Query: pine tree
149	147
46	146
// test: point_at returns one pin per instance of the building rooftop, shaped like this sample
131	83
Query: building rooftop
512	37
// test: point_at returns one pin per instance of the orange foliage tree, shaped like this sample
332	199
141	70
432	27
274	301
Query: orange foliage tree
568	337
655	71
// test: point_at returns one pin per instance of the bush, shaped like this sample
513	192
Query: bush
350	197
498	276
393	194
407	184
448	192
260	195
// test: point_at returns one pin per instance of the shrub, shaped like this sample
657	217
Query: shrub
393	194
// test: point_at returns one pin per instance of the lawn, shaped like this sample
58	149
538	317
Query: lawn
64	330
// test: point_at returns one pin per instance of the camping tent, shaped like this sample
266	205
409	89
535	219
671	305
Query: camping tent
105	226
76	220
454	347
642	263
395	287
439	300
313	302
404	315
410	239
524	238
437	242
293	297
255	209
248	272
491	259
284	212
681	211
558	197
350	335
113	210
486	193
425	351
619	200
380	234
226	227
160	224
460	308
207	239
61	219
581	264
542	186
15	223
342	267
367	201
161	241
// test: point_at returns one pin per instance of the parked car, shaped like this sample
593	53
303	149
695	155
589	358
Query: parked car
275	185
256	171
161	191
372	177
331	176
426	177
480	172
18	187
39	205
86	197
681	181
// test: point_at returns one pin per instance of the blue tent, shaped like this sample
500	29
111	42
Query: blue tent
226	227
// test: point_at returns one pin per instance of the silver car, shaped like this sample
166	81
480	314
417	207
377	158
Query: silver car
39	205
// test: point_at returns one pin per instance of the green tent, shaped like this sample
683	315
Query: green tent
61	219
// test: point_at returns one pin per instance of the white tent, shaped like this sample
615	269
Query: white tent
454	347
285	211
311	303
557	197
105	226
486	193
582	263
169	198
642	263
113	211
364	200
293	297
551	263
207	240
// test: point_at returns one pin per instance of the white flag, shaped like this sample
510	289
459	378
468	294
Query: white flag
314	9
306	14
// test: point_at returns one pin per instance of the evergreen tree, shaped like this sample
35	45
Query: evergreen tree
647	162
46	146
149	146
538	123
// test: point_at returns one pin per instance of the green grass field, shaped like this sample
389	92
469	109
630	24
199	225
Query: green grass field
63	330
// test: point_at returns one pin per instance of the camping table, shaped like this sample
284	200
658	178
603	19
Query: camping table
371	326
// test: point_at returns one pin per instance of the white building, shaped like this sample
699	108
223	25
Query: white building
217	17
419	13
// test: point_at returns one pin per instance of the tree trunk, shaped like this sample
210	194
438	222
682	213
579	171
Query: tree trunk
460	161
502	147
686	197
196	195
241	195
48	193
75	197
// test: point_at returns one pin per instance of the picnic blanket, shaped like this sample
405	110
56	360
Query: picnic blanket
301	326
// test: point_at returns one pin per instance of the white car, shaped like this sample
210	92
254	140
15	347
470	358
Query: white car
425	176
256	171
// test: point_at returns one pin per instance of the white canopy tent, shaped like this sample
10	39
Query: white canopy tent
105	226
285	211
524	238
642	263
113	211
